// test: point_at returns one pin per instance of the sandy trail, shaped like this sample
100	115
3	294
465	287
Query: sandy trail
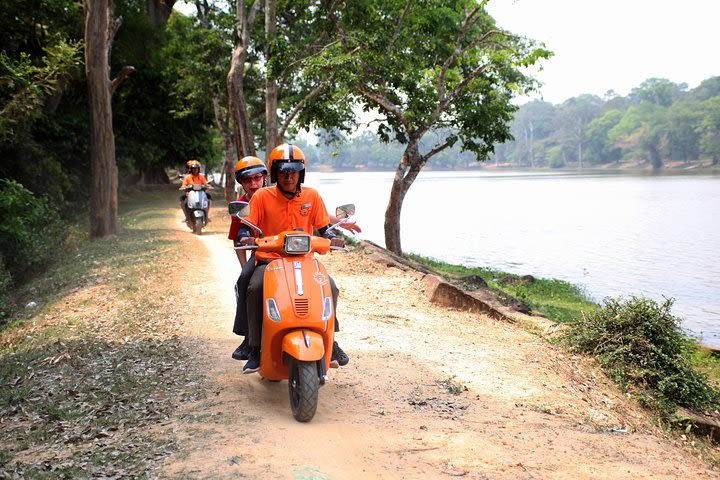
429	392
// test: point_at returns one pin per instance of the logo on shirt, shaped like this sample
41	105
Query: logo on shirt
305	209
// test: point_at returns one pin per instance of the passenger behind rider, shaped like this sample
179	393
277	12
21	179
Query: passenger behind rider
250	173
193	178
285	206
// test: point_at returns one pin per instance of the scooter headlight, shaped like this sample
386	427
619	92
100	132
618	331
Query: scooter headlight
297	243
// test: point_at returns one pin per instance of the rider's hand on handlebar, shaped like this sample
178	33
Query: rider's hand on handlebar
337	242
246	241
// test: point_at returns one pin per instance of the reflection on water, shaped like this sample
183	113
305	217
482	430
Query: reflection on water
613	235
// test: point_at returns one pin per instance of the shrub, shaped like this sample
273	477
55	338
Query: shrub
30	229
640	343
5	284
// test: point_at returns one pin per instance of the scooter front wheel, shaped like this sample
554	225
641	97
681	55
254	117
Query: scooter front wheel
197	226
303	386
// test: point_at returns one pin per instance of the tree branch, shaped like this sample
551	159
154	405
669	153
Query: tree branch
386	103
127	70
398	28
434	152
313	93
332	8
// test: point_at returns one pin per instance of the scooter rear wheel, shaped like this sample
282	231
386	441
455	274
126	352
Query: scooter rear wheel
303	386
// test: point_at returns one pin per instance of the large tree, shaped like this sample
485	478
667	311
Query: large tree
429	66
100	29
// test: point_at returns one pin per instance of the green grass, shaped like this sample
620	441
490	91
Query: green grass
557	300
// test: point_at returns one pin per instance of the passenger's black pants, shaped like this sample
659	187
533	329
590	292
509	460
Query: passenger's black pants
240	327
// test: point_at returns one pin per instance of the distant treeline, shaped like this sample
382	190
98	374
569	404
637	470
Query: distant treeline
658	124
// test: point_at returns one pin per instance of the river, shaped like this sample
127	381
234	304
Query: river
656	236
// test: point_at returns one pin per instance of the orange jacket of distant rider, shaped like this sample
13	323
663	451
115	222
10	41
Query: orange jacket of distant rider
193	179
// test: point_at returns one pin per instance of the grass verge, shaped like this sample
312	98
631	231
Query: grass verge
557	300
90	379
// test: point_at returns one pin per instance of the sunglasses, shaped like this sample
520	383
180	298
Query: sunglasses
253	178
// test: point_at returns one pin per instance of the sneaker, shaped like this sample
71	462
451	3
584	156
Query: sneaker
253	363
339	358
242	352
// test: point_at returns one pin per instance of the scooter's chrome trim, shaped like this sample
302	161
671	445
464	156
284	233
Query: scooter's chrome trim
298	278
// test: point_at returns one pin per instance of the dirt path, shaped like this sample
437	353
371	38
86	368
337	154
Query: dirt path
430	392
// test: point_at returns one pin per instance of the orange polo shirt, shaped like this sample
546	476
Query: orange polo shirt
274	213
193	179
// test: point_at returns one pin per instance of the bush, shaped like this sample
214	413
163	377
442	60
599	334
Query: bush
5	284
30	229
640	343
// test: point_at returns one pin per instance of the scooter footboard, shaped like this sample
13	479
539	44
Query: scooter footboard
305	345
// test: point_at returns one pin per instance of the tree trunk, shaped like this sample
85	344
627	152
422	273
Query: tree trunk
103	170
655	159
408	169
580	156
159	10
392	214
271	120
238	105
245	144
230	155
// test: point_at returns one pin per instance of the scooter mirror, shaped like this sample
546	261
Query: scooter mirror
238	208
345	211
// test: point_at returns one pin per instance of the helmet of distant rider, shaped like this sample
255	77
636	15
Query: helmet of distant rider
193	164
249	165
287	158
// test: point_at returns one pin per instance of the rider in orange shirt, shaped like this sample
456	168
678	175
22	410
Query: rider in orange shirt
192	178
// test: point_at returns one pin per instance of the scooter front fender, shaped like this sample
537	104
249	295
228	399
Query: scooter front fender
304	345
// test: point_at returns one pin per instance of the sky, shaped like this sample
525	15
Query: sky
603	45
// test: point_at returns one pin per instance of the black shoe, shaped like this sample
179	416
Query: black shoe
253	363
242	352
339	358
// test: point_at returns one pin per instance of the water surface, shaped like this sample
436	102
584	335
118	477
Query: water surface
656	236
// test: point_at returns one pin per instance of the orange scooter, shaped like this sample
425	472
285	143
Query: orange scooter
298	311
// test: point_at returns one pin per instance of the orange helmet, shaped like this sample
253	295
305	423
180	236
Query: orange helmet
287	158
249	166
192	164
